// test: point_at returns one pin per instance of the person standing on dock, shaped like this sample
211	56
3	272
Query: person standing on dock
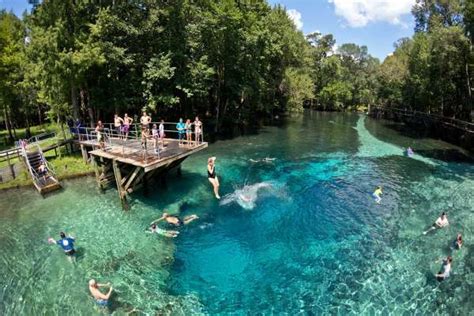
181	130
161	130
145	120
127	121
67	243
212	176
155	136
100	298
145	136
118	122
100	137
189	132
198	130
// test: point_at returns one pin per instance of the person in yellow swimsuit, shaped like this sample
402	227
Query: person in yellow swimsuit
376	195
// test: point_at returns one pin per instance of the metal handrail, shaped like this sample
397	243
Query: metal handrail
466	124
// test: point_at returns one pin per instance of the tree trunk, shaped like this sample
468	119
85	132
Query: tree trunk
40	118
8	124
75	105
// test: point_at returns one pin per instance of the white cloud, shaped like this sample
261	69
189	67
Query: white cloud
359	13
295	16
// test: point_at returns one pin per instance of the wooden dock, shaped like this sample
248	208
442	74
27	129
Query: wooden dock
131	166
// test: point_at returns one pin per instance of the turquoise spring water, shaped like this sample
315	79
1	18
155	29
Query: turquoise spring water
310	241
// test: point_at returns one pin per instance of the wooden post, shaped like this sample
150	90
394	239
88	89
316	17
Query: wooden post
12	167
118	180
84	153
97	172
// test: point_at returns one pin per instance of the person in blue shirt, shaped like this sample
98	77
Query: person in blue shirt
181	131
66	243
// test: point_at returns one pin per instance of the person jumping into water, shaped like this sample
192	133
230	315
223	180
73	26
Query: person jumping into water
175	221
167	233
67	243
100	298
445	269
212	176
376	195
441	222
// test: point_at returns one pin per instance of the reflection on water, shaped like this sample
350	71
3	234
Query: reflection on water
314	242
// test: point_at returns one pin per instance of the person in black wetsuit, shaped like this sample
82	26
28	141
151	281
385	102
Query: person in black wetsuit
211	175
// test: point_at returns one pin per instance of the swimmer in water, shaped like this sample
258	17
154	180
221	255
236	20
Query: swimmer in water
175	221
445	269
376	195
410	152
266	160
212	176
441	222
67	244
101	299
458	242
167	233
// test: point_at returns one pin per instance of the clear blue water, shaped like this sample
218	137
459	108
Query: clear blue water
313	243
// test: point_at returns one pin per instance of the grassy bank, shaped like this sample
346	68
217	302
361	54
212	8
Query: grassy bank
69	166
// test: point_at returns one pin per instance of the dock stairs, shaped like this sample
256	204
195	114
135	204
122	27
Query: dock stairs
33	158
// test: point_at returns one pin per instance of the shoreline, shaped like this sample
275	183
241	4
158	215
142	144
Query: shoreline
60	178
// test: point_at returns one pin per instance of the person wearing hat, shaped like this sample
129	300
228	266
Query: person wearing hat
212	176
100	298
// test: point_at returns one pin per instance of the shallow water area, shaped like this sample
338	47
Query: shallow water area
315	243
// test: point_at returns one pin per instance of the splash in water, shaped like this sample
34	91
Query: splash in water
248	195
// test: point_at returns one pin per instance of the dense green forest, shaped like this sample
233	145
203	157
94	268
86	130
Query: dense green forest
229	61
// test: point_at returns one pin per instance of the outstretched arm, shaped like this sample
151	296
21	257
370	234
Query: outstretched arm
157	220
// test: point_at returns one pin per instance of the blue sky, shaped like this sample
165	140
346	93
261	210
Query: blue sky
375	23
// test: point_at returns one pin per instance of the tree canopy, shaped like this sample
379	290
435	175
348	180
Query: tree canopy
227	60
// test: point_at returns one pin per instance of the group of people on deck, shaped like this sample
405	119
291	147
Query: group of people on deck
154	132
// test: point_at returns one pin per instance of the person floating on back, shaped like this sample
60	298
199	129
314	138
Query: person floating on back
445	269
100	298
376	195
167	233
458	242
67	243
441	222
212	176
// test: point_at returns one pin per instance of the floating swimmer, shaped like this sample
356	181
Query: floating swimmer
376	195
247	196
266	160
167	233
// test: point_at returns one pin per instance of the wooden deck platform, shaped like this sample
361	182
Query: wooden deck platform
131	152
132	166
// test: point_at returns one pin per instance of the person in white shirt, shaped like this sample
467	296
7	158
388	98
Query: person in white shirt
445	270
441	222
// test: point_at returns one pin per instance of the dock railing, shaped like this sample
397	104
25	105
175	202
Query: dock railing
116	136
456	123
